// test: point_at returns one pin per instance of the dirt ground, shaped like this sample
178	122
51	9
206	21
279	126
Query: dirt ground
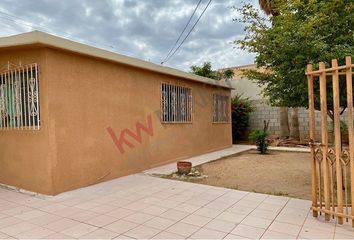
277	172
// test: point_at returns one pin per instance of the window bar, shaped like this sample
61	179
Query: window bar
32	97
27	98
37	94
23	99
6	100
13	123
163	116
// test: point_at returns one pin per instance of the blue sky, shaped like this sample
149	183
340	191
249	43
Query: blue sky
142	29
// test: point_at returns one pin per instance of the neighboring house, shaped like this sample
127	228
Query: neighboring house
262	110
74	115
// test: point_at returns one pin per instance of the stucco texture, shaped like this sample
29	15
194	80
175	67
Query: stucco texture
80	98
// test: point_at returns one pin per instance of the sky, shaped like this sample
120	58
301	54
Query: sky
144	29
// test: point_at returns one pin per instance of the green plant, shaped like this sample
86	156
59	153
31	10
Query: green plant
260	137
241	108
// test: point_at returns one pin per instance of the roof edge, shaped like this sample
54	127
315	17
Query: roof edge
38	37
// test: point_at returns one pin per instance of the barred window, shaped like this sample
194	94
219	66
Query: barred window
19	99
221	109
176	104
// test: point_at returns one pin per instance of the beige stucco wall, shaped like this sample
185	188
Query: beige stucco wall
24	154
85	96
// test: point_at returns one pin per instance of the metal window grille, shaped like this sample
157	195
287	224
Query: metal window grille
19	98
221	109
176	104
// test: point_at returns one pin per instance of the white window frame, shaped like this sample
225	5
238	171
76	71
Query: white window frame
19	98
221	108
176	103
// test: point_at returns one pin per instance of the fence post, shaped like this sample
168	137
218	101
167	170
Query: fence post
348	63
337	137
312	138
324	136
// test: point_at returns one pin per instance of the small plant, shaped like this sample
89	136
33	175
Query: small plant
260	137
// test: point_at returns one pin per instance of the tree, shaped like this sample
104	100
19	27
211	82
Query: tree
303	32
205	70
268	7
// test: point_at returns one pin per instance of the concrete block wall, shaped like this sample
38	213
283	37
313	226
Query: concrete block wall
263	111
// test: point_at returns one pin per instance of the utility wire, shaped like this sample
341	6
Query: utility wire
190	31
184	29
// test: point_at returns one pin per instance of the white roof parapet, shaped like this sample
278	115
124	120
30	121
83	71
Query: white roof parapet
38	37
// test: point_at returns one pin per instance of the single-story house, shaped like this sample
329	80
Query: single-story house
72	115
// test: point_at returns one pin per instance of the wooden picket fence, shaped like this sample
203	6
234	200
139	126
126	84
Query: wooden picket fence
332	165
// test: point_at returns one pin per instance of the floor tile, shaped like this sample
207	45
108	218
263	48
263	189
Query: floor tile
154	210
277	235
45	219
142	232
38	232
248	231
100	233
30	214
207	212
256	222
61	224
138	217
120	226
232	236
4	222
189	208
285	228
159	223
196	220
58	236
79	230
17	228
311	233
120	213
183	229
5	236
101	220
231	217
208	234
167	235
220	225
174	214
261	213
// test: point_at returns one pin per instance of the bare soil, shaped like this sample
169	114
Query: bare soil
277	173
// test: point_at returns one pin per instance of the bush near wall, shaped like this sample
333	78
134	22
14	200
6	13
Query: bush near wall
241	108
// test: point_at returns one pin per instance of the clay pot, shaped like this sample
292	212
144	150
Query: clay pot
184	167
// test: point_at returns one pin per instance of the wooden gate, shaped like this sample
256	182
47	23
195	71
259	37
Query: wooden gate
332	164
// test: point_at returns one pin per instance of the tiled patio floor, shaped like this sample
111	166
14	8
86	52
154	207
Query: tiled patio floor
141	206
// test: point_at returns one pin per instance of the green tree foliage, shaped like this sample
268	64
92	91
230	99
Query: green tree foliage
302	32
206	70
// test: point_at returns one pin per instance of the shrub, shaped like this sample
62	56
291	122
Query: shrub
260	137
241	108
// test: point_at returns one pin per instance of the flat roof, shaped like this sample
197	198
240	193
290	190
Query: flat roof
38	37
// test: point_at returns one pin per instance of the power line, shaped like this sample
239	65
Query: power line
184	29
190	31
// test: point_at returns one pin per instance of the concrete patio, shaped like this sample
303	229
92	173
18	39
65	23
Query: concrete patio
141	206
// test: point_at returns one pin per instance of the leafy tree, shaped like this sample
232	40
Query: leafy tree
205	70
302	32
